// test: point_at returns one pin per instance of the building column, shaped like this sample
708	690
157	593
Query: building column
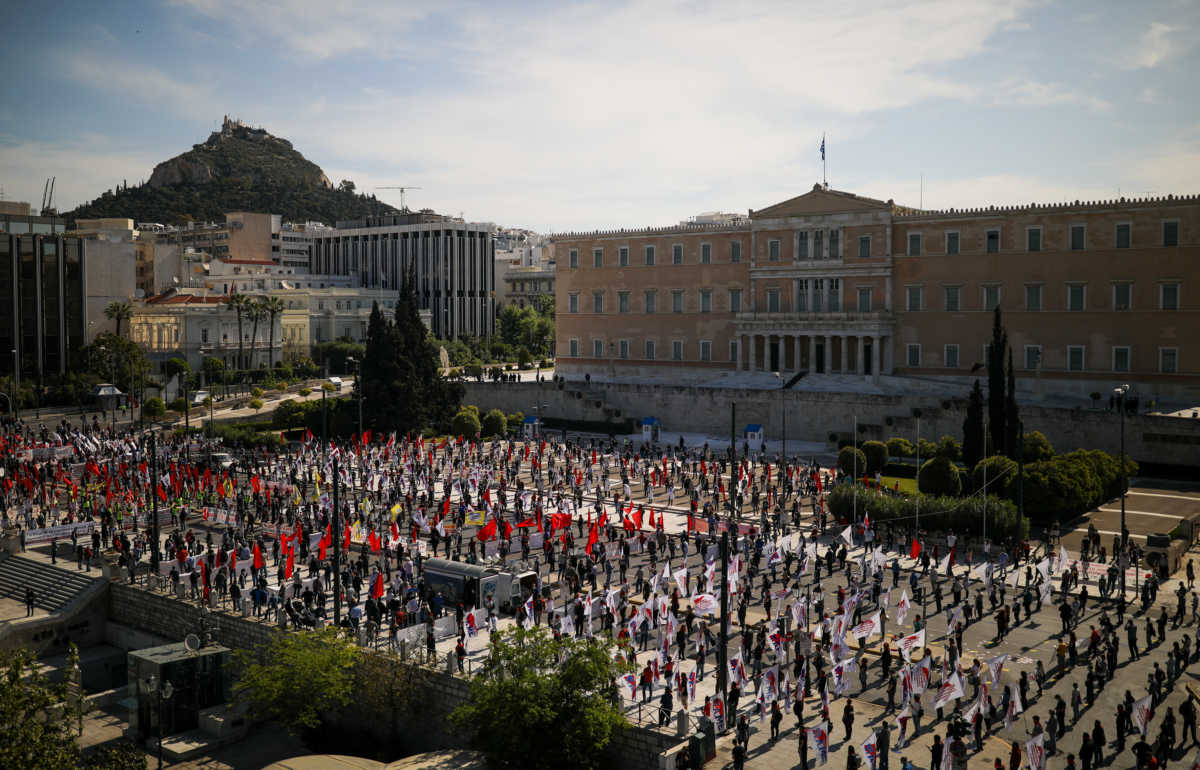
860	358
753	340
877	340
829	354
888	354
796	338
737	352
809	291
845	353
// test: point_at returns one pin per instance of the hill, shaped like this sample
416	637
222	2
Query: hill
238	168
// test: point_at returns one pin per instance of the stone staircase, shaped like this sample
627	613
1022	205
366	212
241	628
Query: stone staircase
53	588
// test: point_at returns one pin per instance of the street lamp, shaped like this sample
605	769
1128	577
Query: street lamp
358	385
783	416
160	694
1121	392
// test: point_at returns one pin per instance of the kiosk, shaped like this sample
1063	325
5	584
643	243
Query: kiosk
651	428
753	433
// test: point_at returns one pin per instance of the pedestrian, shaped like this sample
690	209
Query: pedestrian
29	601
776	718
1076	702
935	752
848	718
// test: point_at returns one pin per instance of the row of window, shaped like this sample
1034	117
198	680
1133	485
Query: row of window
1076	237
650	255
1076	297
622	350
1122	355
650	301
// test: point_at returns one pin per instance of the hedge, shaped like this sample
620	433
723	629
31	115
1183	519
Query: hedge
1067	486
965	515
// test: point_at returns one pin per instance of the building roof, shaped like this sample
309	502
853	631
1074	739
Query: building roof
822	200
238	261
171	298
753	427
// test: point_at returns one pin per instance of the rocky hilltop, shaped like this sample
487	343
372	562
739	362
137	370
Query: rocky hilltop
238	168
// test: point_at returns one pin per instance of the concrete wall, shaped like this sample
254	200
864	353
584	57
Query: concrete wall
813	416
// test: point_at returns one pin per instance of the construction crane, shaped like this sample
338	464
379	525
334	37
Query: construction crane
401	189
48	198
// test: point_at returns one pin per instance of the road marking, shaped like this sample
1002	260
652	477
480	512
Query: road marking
1159	494
1142	513
1116	534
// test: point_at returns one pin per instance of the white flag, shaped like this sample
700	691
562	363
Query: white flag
1035	752
902	607
848	535
910	642
681	580
1141	714
704	604
995	665
950	690
867	627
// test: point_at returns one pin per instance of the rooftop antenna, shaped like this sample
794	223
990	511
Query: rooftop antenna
921	205
402	190
824	175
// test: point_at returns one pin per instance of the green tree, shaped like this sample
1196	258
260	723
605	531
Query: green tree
255	404
295	678
38	729
272	307
1037	447
949	448
852	462
175	366
899	447
939	476
255	311
118	312
1012	413
996	395
154	408
876	453
543	703
1000	474
466	422
973	446
239	303
494	423
213	369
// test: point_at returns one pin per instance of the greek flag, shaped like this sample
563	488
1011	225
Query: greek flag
822	148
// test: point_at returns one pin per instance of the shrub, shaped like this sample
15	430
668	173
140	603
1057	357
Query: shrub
939	476
1037	447
899	447
950	448
514	420
852	462
466	422
255	404
154	408
256	392
927	448
962	514
305	392
1000	472
876	453
494	423
179	404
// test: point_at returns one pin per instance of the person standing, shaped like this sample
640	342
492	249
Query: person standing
848	719
936	751
29	602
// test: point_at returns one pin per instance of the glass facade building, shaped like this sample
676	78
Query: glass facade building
42	307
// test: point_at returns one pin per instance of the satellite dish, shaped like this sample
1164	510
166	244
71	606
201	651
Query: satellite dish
191	642
139	293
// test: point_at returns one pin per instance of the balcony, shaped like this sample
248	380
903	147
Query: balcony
882	321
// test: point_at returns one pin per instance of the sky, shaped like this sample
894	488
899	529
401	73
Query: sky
580	114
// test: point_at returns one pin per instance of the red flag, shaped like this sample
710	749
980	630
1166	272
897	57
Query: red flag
321	546
308	435
487	531
507	529
161	494
291	564
593	538
258	557
637	518
377	588
916	549
395	530
691	522
366	437
531	522
346	539
254	482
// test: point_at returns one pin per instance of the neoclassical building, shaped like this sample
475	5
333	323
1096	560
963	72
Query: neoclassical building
834	283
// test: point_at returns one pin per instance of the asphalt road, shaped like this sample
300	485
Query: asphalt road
1150	507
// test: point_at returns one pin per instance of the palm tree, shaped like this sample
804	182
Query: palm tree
255	312
118	312
273	306
237	303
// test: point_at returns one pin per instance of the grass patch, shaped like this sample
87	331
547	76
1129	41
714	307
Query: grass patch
906	485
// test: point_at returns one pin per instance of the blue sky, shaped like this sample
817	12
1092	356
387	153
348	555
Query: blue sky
618	114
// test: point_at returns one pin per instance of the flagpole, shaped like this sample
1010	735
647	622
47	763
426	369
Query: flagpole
337	538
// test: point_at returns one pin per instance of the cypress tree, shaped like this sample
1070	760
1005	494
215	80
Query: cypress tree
996	399
973	444
1012	415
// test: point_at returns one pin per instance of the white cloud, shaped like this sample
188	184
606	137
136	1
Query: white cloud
1034	93
140	83
84	167
1152	48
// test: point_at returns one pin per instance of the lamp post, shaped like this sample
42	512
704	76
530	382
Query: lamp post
156	552
359	387
160	694
1121	392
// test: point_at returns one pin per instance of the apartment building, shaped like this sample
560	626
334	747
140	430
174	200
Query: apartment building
832	282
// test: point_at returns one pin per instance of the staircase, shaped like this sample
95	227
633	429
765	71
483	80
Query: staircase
53	588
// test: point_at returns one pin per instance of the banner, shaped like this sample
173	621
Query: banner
46	534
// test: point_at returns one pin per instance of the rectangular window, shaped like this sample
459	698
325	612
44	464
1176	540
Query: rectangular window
677	301
818	244
597	302
1168	360
677	254
1033	357
623	349
597	348
1124	236
598	257
623	256
1033	239
733	351
649	255
818	294
914	355
835	244
676	350
651	302
952	303
1168	296
622	302
914	244
572	303
803	244
773	250
1122	296
735	251
864	300
735	300
835	295
1170	233
950	356
1033	298
706	253
650	351
706	300
993	241
1078	237
914	299
801	296
705	350
951	243
1120	358
574	347
1075	359
864	246
1076	297
573	256
772	300
991	297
